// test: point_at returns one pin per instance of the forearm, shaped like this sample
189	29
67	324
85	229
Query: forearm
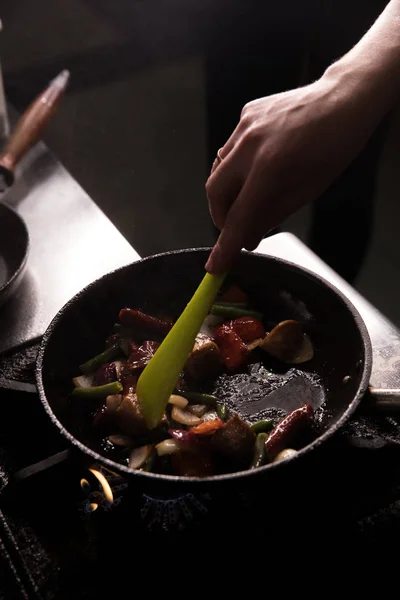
369	74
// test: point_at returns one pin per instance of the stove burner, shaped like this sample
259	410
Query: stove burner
104	491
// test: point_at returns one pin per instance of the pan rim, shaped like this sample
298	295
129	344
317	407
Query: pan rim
225	477
16	272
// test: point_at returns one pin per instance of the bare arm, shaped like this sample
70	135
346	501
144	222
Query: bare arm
288	148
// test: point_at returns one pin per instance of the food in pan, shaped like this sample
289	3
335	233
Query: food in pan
198	434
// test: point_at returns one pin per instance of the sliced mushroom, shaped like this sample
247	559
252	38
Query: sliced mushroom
118	439
113	402
178	400
255	344
197	409
184	416
285	454
168	446
139	456
288	343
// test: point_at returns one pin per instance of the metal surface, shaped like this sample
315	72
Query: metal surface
72	244
385	336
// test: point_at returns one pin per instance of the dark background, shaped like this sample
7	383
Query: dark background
158	85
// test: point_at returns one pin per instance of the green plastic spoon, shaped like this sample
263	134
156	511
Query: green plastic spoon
159	378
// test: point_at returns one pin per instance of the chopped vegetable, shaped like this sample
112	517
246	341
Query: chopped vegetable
222	411
125	441
83	381
139	321
259	455
232	311
264	425
287	343
113	402
168	446
209	324
105	356
197	409
178	401
182	435
248	329
234	351
255	344
100	391
148	465
285	454
287	430
199	398
208	427
138	456
184	416
210	416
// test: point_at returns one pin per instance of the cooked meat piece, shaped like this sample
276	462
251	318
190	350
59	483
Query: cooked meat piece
145	324
129	384
140	357
129	417
130	420
234	351
205	359
107	373
235	442
287	430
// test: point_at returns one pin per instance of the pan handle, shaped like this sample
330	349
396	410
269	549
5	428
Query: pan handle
31	125
384	400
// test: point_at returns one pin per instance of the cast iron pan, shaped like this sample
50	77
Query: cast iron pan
14	246
334	381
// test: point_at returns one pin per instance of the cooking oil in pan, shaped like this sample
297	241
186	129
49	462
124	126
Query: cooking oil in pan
260	393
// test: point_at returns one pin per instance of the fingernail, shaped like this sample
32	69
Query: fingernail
210	265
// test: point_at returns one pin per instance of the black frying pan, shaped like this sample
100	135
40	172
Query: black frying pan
338	375
14	247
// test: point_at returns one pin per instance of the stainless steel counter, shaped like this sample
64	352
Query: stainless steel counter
72	243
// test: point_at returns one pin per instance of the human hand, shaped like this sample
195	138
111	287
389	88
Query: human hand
286	150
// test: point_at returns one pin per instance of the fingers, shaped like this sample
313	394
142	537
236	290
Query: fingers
222	188
244	226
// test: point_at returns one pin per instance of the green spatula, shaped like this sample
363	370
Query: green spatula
158	380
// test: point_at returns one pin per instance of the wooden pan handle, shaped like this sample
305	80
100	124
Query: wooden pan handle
31	125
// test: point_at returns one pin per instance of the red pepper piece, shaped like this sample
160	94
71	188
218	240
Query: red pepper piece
248	328
145	323
234	351
294	423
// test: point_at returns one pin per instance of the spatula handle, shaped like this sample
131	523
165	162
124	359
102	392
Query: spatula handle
31	125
